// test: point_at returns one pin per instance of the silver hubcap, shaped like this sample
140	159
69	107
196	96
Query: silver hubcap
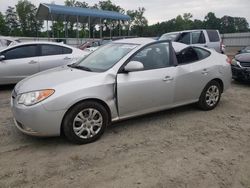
212	95
87	123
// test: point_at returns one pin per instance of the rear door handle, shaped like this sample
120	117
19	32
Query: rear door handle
67	58
33	62
168	78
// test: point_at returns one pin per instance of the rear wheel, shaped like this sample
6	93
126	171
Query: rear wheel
210	96
85	122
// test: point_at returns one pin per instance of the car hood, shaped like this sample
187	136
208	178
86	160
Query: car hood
53	78
245	57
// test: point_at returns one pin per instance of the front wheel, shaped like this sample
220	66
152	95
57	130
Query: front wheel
210	96
85	122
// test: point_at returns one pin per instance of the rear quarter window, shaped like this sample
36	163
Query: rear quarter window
198	37
191	54
48	49
201	53
213	35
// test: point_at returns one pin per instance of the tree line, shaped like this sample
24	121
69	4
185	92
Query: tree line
21	20
225	24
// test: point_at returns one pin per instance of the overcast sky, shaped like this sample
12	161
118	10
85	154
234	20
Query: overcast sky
162	10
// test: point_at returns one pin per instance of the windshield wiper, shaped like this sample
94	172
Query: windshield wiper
80	67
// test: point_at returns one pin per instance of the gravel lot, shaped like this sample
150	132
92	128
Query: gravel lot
183	147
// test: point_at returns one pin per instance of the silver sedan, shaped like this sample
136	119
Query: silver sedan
25	59
120	80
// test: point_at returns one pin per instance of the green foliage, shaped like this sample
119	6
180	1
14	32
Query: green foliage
138	21
26	12
3	27
108	5
226	24
11	21
21	21
233	24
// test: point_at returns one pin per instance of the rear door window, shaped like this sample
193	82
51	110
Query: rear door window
201	53
21	52
184	38
213	36
198	37
47	50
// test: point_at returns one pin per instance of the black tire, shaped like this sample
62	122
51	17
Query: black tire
203	104
69	123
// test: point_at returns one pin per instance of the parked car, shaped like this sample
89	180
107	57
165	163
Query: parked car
92	45
122	79
7	41
89	44
244	50
25	59
201	37
241	66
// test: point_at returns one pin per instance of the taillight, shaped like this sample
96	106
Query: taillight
229	60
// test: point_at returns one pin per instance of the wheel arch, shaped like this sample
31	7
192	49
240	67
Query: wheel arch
104	104
220	83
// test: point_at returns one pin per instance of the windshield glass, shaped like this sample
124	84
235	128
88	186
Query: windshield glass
170	36
246	49
105	57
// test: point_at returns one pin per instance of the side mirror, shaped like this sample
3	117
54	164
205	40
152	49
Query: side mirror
133	66
2	57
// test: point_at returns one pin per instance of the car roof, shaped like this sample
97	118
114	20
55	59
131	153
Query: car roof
192	30
140	41
37	42
143	41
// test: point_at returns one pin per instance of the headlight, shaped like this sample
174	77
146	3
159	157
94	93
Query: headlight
34	97
235	62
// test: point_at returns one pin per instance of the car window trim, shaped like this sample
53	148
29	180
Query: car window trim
171	58
185	33
20	46
218	35
127	43
192	61
201	34
40	49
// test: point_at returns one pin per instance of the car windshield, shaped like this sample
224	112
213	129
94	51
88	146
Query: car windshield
105	57
246	49
170	36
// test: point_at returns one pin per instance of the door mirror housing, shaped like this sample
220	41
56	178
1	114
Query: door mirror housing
133	66
2	57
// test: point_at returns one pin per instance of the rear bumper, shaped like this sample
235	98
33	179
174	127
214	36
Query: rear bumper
241	73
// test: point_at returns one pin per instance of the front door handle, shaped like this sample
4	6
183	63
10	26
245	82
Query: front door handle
168	78
33	62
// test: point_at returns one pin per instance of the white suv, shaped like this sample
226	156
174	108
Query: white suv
201	37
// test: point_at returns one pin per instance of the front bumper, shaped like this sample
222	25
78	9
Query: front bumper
36	120
242	73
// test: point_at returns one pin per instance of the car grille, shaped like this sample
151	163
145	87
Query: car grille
245	64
